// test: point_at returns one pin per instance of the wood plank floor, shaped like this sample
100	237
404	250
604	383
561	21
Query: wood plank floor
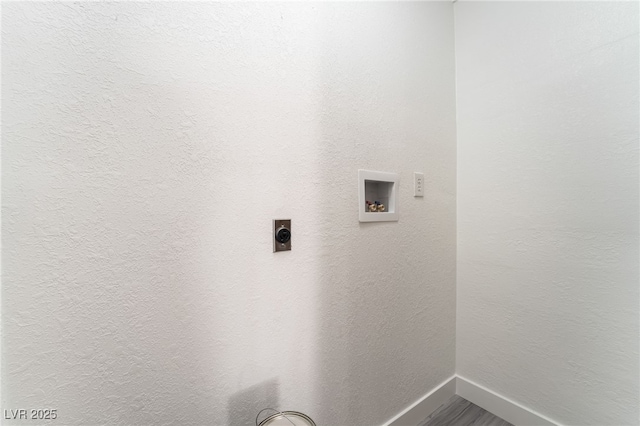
460	412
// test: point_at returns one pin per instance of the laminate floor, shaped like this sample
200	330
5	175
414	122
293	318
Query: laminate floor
460	412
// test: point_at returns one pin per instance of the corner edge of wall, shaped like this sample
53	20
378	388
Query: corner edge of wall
499	405
423	407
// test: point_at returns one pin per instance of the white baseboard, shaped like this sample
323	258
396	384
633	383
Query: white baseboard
494	403
499	405
422	408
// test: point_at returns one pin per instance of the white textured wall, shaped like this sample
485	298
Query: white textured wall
548	206
146	148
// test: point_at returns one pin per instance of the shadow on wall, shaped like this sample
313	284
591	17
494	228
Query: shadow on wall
387	295
245	405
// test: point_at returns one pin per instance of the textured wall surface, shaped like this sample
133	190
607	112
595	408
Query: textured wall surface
548	206
146	147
